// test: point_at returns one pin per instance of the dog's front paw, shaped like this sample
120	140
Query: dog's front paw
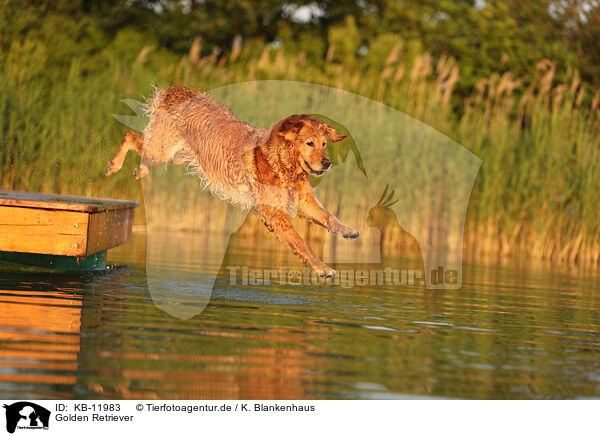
350	233
324	272
336	226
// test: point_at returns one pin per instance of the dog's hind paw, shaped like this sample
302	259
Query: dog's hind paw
111	168
140	172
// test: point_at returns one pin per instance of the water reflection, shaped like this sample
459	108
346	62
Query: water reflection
39	337
511	332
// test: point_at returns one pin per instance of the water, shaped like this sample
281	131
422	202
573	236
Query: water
510	332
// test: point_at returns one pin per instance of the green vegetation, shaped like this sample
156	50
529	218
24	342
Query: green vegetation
534	122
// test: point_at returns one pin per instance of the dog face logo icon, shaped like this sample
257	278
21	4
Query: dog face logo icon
26	415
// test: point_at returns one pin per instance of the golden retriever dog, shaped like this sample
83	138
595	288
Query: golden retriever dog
264	170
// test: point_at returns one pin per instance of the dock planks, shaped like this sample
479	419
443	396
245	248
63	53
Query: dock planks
62	225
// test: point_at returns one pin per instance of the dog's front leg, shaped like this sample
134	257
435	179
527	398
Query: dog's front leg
279	223
310	209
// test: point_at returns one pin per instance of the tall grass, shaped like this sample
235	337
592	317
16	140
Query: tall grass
536	194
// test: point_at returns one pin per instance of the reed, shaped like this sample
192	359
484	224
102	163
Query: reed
536	194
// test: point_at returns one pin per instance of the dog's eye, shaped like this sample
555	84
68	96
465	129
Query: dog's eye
310	143
324	144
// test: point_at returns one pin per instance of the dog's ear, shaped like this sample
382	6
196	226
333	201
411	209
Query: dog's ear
290	127
332	133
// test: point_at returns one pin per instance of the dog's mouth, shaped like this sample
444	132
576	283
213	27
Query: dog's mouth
312	171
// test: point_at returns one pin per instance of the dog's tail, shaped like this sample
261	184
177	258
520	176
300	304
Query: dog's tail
154	100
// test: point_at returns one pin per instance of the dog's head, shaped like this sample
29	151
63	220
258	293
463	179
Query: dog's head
305	139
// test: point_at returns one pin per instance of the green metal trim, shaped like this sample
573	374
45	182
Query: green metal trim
94	262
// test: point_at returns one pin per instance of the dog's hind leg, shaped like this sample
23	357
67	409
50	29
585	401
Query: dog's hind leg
131	141
279	223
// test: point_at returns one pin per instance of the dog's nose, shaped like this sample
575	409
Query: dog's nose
325	163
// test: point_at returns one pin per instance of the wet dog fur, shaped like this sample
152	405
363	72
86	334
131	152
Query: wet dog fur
263	170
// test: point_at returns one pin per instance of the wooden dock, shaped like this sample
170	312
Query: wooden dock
62	232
